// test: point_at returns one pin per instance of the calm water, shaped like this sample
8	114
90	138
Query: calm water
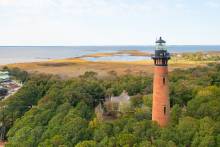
13	54
124	57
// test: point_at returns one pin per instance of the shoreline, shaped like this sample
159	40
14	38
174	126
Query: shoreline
122	52
73	67
128	53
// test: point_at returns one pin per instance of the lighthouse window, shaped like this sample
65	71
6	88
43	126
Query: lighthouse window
164	110
164	80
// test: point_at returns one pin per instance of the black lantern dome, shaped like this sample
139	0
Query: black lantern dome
161	55
160	40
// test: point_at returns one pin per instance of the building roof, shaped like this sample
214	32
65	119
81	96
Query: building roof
4	72
160	40
124	97
4	75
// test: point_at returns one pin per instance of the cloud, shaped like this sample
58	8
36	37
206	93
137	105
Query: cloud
82	7
103	20
213	4
7	2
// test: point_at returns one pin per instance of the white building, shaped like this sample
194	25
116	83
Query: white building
118	103
4	76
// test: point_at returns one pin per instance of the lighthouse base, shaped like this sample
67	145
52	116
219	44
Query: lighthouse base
161	102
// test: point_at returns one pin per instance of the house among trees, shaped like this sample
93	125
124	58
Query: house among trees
113	106
4	76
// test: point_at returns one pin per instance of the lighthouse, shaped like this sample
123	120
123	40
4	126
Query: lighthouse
161	102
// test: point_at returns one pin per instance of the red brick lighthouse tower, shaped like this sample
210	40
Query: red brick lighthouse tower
161	102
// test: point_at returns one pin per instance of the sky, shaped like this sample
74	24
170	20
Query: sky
109	22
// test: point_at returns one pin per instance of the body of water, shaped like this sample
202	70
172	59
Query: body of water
17	54
121	57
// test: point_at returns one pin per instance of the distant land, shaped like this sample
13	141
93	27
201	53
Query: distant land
20	54
120	62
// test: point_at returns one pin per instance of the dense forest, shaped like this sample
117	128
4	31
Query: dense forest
50	112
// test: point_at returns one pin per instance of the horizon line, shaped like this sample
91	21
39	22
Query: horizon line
105	45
